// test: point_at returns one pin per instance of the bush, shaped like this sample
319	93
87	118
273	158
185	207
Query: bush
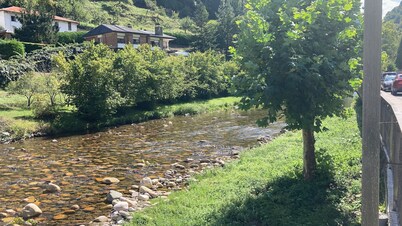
91	83
182	39
9	48
29	46
71	37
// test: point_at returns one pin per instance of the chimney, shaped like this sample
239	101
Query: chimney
129	26
158	29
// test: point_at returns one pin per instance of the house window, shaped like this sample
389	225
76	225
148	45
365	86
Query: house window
136	41
121	38
13	18
69	26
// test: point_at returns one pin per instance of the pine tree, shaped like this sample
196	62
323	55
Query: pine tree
227	26
205	31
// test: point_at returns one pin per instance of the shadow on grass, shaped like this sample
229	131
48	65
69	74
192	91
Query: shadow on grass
289	200
26	117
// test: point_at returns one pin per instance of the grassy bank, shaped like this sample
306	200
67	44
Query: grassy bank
265	187
20	122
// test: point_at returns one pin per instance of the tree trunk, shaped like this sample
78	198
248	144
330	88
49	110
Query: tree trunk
309	162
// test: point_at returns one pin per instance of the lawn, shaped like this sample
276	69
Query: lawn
266	187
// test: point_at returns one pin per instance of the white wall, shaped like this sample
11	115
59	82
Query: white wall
5	21
2	21
63	26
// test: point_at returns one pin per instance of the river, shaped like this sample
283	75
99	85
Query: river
77	163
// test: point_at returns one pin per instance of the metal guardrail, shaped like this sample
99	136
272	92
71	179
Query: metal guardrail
391	160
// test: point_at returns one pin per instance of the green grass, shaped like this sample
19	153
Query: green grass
265	187
138	18
15	117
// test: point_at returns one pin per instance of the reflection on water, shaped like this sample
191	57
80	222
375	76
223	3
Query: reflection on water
77	163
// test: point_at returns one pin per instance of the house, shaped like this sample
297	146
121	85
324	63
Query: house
9	21
116	37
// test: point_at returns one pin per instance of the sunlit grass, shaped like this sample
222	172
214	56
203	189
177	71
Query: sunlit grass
265	187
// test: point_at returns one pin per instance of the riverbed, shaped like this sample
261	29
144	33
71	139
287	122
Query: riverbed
78	163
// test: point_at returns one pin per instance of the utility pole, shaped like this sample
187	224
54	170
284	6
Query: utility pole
371	111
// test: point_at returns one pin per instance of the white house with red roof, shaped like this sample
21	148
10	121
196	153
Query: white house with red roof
9	20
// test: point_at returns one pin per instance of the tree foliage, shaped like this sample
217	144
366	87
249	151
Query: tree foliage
37	24
28	85
100	81
395	16
91	82
227	27
298	57
390	40
398	60
9	48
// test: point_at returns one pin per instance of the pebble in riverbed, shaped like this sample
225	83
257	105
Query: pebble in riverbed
31	210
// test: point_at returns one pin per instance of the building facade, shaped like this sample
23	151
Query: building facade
116	37
9	21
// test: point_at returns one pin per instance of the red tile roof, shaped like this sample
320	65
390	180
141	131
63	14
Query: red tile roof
16	9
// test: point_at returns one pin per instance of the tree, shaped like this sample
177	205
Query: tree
297	57
91	83
200	15
37	24
227	26
28	86
205	30
186	24
74	9
390	39
398	60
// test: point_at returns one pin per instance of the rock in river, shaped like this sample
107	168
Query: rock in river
101	219
147	182
52	188
144	189
31	210
112	195
110	180
121	206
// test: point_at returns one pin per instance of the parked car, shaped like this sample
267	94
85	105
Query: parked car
387	82
396	85
387	73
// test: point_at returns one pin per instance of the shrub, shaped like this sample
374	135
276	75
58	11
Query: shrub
71	37
29	46
9	48
182	39
42	108
91	83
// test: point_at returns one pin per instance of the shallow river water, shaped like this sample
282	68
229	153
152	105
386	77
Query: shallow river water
77	163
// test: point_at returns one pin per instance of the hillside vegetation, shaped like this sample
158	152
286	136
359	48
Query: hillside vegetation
140	14
395	16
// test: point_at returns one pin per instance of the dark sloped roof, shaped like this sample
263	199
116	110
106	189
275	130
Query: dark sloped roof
106	28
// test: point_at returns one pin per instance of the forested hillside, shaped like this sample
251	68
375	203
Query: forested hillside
395	16
391	37
140	14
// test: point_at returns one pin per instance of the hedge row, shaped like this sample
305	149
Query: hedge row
9	48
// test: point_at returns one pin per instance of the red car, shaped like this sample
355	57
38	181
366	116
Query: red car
397	85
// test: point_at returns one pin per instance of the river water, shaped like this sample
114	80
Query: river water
77	163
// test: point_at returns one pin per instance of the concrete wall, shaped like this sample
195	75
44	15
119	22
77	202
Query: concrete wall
63	26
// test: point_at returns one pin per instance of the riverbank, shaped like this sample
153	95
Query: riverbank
18	122
266	186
